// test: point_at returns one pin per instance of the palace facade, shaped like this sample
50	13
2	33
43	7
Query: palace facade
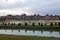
30	17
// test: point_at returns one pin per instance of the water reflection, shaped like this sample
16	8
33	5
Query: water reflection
18	30
30	32
12	30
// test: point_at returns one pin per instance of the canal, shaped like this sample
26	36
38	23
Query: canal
45	33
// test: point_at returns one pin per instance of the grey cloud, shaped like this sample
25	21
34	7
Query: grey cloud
38	6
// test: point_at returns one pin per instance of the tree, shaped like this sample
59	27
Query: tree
26	24
41	24
45	24
55	23
12	24
51	24
19	24
3	23
38	23
33	24
59	24
8	23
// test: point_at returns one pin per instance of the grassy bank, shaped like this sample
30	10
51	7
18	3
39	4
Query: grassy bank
30	26
15	37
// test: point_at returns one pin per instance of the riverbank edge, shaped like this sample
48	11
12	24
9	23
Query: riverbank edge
30	27
20	37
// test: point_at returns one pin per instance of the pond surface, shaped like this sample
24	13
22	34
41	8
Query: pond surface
30	32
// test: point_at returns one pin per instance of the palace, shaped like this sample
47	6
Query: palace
30	17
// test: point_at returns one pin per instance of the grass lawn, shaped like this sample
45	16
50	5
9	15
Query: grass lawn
15	37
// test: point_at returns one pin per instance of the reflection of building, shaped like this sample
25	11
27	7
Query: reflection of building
30	17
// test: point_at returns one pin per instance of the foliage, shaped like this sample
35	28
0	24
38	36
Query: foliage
51	24
41	24
19	24
33	24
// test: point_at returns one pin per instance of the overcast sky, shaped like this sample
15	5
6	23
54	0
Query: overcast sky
29	7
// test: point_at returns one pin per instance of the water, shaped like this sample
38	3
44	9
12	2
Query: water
31	32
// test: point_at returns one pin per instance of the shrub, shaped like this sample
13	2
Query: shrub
41	24
33	24
51	24
26	24
12	24
55	23
19	24
45	24
38	23
59	24
8	23
3	23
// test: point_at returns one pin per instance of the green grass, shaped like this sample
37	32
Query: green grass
15	37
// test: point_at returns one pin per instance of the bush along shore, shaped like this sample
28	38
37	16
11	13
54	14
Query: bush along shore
51	26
